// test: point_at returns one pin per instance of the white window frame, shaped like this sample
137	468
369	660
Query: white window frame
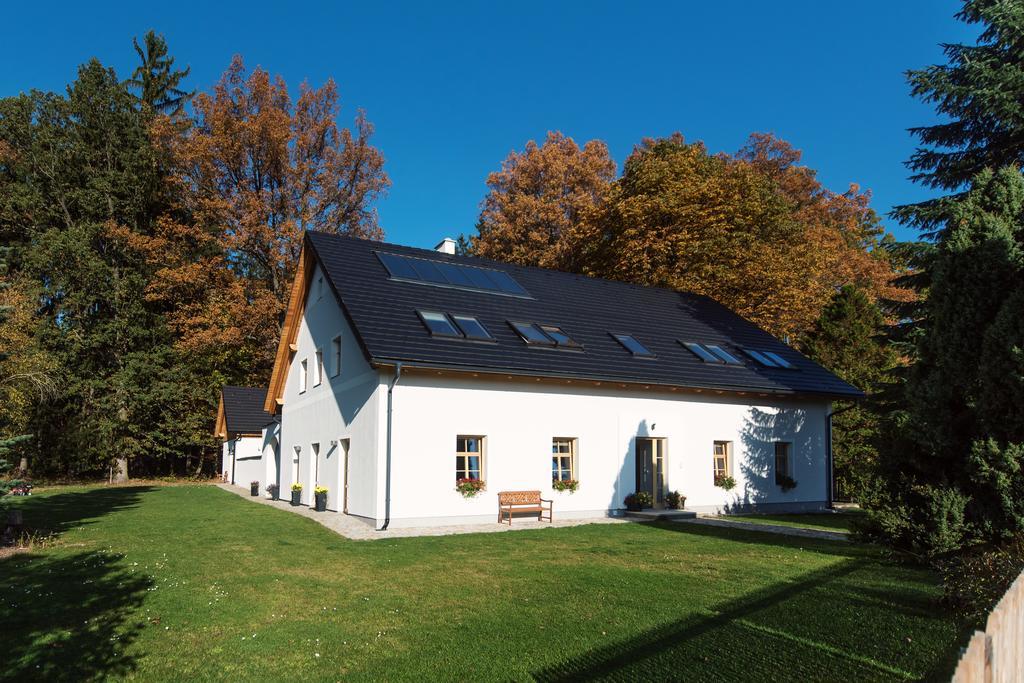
303	375
318	370
336	356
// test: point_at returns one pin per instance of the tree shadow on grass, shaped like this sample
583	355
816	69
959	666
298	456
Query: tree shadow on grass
821	625
68	617
56	513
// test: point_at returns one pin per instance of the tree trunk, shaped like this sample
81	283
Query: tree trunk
23	465
199	467
120	471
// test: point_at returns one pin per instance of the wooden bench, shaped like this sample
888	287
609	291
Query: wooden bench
522	501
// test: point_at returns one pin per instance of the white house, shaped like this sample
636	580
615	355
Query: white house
402	370
249	452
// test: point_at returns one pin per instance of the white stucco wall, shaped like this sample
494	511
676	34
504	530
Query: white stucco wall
519	422
248	461
346	406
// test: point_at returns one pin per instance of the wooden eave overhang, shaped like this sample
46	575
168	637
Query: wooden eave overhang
286	346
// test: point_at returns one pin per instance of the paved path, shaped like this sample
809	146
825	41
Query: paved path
358	530
770	528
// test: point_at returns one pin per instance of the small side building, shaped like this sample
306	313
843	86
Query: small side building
249	434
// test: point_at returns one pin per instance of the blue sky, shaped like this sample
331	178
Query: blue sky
453	87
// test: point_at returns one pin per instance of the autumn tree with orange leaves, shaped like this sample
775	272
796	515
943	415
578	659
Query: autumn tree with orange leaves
250	172
756	230
544	204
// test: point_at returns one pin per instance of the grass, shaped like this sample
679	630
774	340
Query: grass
838	521
191	582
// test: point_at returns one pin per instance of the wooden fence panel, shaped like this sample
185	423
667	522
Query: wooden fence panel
996	655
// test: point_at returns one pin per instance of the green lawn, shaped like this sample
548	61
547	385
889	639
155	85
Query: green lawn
838	521
191	582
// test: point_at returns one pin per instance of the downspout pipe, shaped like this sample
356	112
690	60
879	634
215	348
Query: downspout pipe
829	465
387	450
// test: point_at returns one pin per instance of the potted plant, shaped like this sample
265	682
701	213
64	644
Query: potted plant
272	490
254	488
675	500
320	498
569	485
638	501
296	494
725	481
469	487
787	483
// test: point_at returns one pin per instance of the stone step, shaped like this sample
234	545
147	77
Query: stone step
651	514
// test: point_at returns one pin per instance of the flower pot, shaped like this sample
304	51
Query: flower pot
321	502
296	497
634	508
254	490
274	495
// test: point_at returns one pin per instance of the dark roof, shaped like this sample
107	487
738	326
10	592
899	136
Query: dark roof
243	409
382	311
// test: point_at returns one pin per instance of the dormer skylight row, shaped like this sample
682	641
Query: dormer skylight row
769	359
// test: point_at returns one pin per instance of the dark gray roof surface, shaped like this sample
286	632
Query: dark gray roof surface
383	312
243	409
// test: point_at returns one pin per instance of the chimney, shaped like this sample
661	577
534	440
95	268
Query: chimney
446	246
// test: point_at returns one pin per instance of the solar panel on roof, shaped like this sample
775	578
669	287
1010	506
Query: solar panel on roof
427	271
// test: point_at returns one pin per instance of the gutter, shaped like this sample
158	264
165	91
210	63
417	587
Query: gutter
387	460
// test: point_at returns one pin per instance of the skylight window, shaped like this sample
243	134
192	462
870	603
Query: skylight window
633	346
472	328
769	359
532	334
447	274
761	358
702	353
726	357
439	324
560	337
779	359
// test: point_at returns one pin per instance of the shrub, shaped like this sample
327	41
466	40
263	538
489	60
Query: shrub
787	483
675	500
271	489
640	499
974	581
569	485
725	481
16	487
296	487
469	487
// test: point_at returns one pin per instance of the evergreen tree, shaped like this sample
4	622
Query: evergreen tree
955	466
980	91
849	340
155	79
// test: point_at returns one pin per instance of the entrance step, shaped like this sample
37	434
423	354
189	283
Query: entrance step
669	515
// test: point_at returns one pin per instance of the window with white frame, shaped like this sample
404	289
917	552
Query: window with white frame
783	462
336	356
469	457
318	371
303	375
722	460
563	459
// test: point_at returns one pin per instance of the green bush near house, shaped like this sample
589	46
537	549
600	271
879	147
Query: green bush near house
192	582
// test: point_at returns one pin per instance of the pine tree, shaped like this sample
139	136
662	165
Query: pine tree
954	470
155	79
980	90
849	339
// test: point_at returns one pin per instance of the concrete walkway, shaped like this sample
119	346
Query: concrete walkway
357	530
769	528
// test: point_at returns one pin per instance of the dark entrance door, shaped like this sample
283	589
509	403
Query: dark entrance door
650	468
